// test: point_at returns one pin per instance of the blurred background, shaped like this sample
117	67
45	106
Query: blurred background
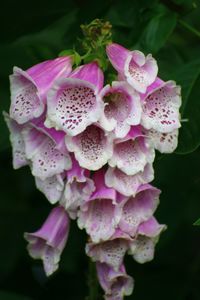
32	31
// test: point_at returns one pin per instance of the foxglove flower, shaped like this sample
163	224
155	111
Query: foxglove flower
116	284
29	88
49	241
100	215
17	142
78	188
122	108
112	251
92	148
52	187
73	103
132	153
139	71
128	185
139	209
143	246
161	106
41	150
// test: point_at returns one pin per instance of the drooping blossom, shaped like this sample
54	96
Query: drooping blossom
73	103
49	241
116	284
122	108
29	88
92	148
132	153
78	188
142	248
133	66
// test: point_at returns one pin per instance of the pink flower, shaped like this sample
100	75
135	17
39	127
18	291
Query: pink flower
122	108
100	215
133	66
92	148
78	188
116	284
29	88
161	106
132	153
138	209
143	246
73	103
49	241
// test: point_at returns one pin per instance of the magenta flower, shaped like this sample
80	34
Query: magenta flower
122	108
161	106
41	150
116	284
73	103
128	185
29	88
100	215
49	241
133	66
143	246
17	142
132	153
138	209
78	188
92	148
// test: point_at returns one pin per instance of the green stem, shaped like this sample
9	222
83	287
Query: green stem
93	284
190	28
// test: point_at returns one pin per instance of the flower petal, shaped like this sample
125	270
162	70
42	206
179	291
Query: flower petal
49	241
117	55
122	108
17	142
92	148
128	184
161	108
51	187
139	209
46	159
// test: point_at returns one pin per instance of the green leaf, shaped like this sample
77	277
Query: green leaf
159	28
197	222
12	296
188	76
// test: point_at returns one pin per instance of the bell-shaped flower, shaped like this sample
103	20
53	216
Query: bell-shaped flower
92	148
17	142
49	241
142	248
41	149
139	70
78	188
132	153
128	184
116	284
160	107
122	108
73	103
110	252
100	215
29	88
163	142
52	187
138	209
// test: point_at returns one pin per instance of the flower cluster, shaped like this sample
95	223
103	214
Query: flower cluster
91	149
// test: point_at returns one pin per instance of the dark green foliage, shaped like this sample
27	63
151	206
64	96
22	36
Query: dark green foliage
32	31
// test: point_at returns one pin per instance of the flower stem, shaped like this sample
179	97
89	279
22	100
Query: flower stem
190	28
93	284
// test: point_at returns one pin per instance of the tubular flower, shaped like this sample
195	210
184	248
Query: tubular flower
91	150
29	88
73	103
49	241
